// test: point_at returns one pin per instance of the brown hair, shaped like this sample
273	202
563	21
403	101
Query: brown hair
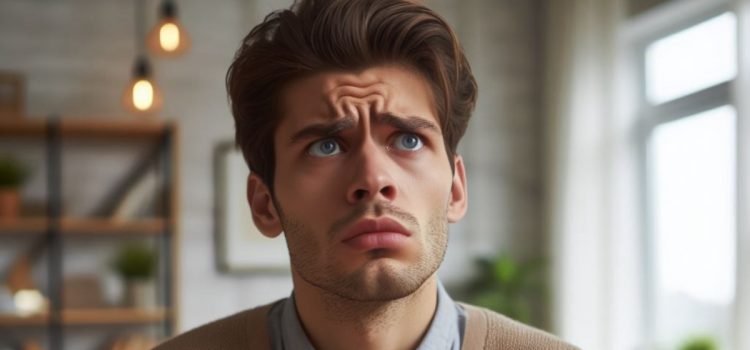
321	35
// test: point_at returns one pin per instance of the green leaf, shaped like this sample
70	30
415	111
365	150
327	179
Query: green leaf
506	270
12	173
135	262
699	343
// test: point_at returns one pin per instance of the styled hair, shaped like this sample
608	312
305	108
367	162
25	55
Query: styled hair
316	36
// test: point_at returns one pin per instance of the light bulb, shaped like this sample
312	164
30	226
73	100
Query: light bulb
168	38
142	96
29	302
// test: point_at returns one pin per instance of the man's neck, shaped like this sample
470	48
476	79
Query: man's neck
332	322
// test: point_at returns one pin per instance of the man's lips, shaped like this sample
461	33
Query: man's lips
368	234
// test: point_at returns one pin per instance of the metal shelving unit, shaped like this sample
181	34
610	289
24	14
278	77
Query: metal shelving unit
55	227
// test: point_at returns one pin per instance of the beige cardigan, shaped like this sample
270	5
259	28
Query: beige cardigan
485	329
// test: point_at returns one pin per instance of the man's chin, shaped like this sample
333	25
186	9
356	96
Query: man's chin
380	281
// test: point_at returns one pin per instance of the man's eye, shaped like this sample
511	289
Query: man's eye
408	142
324	148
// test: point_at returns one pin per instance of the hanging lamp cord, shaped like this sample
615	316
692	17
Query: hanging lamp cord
142	68
139	29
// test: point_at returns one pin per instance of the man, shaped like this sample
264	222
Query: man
349	113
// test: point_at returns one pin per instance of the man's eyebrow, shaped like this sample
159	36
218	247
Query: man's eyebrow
323	129
411	123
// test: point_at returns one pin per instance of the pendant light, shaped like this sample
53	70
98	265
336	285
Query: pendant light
168	38
141	95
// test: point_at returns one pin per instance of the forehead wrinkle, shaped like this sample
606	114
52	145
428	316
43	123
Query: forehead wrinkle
345	96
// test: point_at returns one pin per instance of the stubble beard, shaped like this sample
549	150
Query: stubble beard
377	280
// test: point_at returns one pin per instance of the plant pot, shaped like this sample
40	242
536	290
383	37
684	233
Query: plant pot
10	203
140	294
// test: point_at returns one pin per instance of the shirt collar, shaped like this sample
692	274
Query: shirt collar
444	328
444	331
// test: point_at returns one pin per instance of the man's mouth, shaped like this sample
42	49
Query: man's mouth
380	233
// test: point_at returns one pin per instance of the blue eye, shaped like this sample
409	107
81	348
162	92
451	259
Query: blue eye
324	148
408	142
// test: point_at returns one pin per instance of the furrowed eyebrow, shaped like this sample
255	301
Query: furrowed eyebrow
410	124
323	129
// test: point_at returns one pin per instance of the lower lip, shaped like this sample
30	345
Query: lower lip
377	240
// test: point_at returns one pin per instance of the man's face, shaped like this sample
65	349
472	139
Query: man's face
363	185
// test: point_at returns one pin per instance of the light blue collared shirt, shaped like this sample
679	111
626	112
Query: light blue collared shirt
446	329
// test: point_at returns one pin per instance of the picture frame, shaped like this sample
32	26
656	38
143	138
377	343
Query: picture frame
241	248
11	95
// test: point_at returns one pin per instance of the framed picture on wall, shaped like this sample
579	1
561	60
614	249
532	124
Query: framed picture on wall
240	246
11	94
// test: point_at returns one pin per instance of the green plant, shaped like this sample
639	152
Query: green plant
135	261
699	343
507	286
12	173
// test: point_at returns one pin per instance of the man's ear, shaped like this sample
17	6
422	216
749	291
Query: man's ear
459	192
264	212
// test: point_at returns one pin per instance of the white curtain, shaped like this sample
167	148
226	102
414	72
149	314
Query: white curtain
592	192
591	212
742	100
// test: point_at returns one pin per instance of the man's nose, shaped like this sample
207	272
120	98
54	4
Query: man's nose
372	175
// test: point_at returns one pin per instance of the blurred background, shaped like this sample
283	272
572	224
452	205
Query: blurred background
607	162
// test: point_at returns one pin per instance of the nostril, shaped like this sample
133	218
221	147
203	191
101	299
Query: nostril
387	191
360	194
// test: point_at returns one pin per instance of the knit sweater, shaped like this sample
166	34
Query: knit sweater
485	329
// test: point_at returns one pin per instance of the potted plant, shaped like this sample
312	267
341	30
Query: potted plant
508	286
136	265
12	176
699	343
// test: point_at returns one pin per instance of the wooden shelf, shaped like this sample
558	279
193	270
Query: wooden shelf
23	225
22	127
12	320
84	226
107	316
164	135
108	226
85	127
80	317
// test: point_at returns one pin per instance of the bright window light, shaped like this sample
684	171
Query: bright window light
693	59
694	216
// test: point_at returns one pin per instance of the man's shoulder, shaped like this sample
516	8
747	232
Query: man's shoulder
487	329
243	330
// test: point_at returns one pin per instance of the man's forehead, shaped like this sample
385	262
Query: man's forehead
329	95
363	79
328	89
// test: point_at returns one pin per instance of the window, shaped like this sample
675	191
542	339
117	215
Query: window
690	182
692	59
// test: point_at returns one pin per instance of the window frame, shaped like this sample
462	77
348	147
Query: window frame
642	31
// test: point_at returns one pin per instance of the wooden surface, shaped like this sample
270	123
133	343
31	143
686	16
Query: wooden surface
85	127
112	316
108	226
84	226
8	320
23	225
103	316
174	216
